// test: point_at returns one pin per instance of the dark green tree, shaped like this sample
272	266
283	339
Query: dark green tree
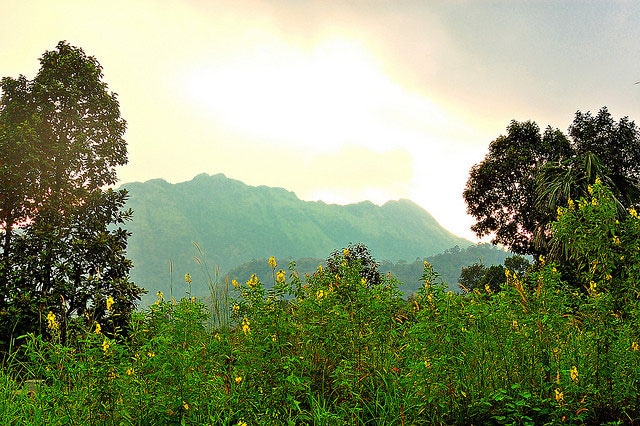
62	251
356	255
501	190
478	276
471	277
515	191
517	264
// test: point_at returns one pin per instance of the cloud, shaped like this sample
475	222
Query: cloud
359	173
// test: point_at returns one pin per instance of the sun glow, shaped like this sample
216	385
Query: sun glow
325	97
356	131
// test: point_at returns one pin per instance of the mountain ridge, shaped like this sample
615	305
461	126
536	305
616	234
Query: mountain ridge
234	223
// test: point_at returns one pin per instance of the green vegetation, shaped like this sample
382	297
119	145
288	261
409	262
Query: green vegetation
515	191
62	244
448	264
236	223
553	342
331	349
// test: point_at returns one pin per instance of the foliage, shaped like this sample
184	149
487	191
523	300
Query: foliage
448	264
331	350
515	191
599	252
356	256
479	277
62	252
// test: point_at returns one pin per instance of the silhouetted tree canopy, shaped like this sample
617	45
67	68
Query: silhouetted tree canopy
515	191
61	138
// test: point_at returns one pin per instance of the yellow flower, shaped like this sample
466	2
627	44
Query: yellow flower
130	371
97	328
52	324
253	281
514	324
487	288
281	276
590	189
272	262
109	303
616	240
633	212
541	259
345	252
236	308
160	296
246	326
634	346
185	405
105	345
598	180
319	294
559	396
187	278
238	379
560	211
571	204
574	373
593	288
241	423
151	354
235	283
363	281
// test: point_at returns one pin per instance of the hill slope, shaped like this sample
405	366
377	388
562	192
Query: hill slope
234	223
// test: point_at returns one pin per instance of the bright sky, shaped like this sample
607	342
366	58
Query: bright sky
334	99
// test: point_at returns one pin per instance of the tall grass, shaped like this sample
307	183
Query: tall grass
219	301
331	350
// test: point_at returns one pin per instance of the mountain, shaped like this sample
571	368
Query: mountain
233	223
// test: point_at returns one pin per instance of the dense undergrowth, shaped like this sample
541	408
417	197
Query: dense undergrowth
330	349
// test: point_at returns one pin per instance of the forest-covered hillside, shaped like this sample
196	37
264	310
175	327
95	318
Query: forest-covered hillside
234	223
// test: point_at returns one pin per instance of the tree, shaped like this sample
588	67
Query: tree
479	277
356	255
61	138
471	277
515	191
500	191
518	265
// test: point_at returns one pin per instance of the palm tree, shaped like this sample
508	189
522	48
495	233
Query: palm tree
556	183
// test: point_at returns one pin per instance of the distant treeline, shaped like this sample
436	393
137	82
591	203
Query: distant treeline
448	264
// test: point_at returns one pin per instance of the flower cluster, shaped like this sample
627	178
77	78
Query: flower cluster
246	325
52	324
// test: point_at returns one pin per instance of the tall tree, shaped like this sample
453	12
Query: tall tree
62	137
500	191
515	191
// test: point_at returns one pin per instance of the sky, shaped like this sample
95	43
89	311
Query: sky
338	100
